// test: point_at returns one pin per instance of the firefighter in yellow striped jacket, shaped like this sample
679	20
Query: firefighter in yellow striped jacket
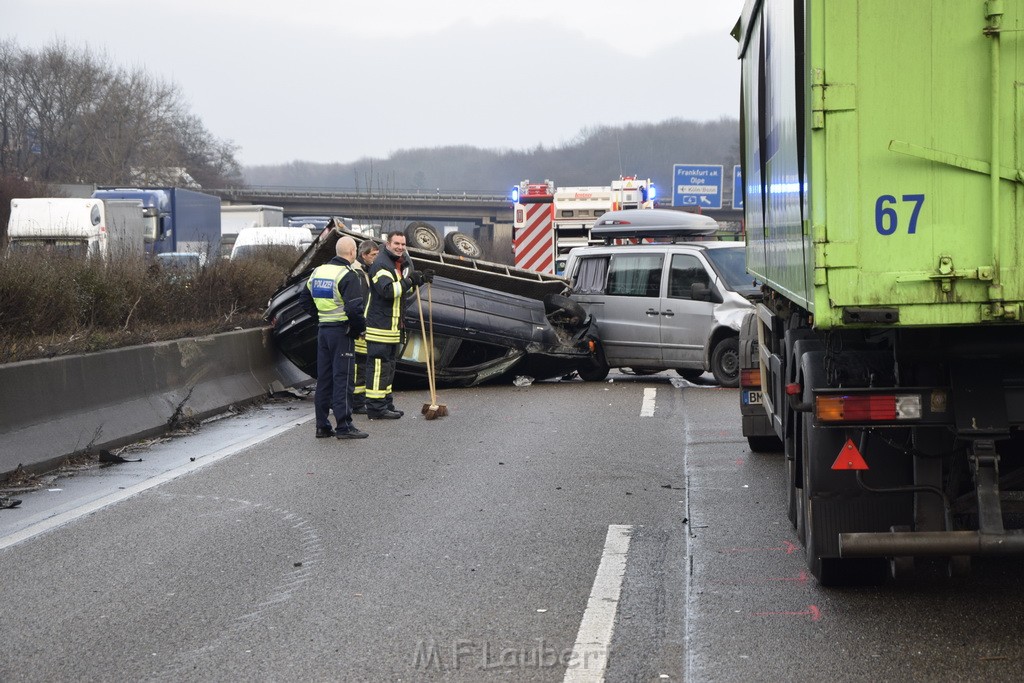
392	281
368	251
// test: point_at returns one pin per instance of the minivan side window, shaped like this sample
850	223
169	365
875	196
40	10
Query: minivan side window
686	271
591	275
635	275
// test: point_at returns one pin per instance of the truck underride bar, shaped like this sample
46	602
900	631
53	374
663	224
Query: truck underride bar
930	543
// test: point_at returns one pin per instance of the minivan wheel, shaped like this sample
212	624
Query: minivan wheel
725	362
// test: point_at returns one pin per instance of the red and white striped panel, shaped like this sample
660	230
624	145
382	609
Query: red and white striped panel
535	242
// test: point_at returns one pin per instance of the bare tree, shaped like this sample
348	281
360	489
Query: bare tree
209	160
67	115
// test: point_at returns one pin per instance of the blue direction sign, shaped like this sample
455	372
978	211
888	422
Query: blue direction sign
697	185
737	187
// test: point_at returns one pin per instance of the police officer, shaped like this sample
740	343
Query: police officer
368	251
392	281
333	293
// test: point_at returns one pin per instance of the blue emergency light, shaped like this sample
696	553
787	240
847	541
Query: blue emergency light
515	194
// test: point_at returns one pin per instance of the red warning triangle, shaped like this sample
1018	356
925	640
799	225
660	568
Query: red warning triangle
850	458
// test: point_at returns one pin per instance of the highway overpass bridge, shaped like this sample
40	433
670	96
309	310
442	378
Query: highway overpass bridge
440	208
405	206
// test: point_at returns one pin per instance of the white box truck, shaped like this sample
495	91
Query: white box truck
93	228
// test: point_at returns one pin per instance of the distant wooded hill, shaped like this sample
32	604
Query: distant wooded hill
597	156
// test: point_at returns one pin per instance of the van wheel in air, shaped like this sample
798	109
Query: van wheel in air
423	235
461	244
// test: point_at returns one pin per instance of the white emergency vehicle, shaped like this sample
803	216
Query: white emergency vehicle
549	221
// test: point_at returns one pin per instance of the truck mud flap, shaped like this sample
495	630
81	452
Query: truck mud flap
839	504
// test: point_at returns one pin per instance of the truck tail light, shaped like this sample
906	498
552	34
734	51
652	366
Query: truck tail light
865	408
750	377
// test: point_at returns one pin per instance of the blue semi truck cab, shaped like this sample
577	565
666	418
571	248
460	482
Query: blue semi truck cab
177	220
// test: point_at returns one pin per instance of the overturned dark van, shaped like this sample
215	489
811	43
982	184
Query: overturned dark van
491	322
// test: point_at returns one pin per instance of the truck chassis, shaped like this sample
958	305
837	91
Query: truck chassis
935	416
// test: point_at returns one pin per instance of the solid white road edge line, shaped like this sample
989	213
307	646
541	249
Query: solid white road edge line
590	653
647	407
689	610
123	494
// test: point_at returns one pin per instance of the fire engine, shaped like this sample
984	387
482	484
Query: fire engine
548	222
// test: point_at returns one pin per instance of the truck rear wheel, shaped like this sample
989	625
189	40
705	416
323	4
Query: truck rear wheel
764	444
796	500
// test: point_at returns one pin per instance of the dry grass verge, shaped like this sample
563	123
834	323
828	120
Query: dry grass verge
52	304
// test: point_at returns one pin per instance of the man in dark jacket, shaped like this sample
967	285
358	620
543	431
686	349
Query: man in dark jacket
392	281
333	294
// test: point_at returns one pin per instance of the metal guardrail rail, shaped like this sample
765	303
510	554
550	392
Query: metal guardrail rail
91	402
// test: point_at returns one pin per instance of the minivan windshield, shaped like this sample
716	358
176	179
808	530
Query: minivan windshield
731	265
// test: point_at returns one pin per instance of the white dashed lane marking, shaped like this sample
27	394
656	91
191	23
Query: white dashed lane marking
590	653
647	407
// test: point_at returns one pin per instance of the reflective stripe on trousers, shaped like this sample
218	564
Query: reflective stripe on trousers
380	372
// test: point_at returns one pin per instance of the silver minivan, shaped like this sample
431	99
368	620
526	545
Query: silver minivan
660	299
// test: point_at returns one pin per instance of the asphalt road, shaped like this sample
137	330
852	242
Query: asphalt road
545	533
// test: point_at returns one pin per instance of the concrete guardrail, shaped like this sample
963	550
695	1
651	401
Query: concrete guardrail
53	408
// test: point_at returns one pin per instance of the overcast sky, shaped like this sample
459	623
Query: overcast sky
335	81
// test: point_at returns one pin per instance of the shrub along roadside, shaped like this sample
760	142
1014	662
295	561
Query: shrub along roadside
51	304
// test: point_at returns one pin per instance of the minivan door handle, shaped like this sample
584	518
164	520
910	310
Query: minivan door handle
668	313
651	311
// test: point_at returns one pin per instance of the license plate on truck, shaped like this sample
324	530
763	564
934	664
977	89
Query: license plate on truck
751	398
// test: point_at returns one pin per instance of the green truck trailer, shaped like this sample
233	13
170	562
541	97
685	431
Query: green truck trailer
883	168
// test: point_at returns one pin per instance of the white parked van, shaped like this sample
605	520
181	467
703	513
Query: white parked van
236	217
251	240
93	228
667	296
